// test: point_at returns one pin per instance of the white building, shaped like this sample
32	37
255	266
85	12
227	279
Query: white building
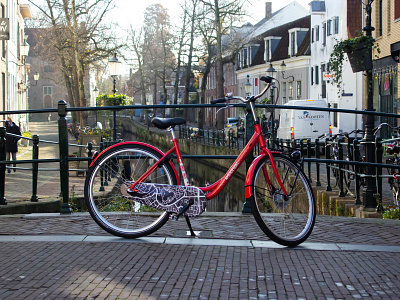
13	68
330	21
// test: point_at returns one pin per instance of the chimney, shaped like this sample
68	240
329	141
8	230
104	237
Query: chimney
268	10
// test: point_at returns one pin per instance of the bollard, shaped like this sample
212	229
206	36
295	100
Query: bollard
317	156
378	159
35	167
328	168
63	149
309	156
356	157
2	166
340	166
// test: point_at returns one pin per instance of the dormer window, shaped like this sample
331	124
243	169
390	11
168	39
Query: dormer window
246	55
271	43
296	37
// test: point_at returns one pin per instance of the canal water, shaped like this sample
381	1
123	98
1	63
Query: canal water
232	197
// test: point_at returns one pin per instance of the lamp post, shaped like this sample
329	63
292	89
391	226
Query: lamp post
114	66
271	72
36	78
369	201
283	68
95	95
249	133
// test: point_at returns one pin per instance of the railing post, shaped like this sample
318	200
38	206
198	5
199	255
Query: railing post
63	149
378	159
328	168
340	170
90	153
114	125
2	166
317	156
356	156
250	157
302	153
35	167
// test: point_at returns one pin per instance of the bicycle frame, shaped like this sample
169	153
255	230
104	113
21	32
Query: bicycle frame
215	188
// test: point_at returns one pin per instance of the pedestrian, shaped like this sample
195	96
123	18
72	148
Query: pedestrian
49	118
11	141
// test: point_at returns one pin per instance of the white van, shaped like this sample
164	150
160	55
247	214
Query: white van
303	124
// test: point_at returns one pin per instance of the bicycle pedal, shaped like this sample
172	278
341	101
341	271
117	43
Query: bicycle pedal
174	217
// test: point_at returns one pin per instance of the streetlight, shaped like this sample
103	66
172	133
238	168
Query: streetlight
248	86
36	78
114	66
24	47
271	71
95	95
283	68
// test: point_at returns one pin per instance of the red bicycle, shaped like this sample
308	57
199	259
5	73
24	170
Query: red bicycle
132	188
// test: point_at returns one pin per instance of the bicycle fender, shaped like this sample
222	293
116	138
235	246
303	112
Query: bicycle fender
249	176
137	143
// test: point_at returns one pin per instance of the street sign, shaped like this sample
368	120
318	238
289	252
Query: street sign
4	29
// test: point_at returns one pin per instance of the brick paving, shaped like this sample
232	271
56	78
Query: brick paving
114	270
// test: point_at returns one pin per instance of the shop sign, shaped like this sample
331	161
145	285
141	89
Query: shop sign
4	29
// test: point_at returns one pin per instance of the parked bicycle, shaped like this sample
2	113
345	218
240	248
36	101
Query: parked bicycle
132	188
350	171
392	149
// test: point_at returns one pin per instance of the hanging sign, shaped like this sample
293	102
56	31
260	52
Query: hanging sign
328	76
386	85
4	29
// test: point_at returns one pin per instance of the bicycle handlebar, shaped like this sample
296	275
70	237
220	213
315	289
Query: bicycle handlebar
229	96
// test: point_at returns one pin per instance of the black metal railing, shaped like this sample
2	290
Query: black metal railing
315	153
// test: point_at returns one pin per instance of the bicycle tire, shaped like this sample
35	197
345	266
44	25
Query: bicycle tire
287	222
106	183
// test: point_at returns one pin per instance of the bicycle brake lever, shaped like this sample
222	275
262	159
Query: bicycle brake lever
225	107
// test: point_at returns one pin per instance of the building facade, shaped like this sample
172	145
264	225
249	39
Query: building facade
14	68
386	20
333	21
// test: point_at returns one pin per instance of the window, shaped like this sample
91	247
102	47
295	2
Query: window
336	21
290	90
396	10
298	89
3	42
317	33
312	76
267	51
328	27
293	44
47	90
323	82
324	34
48	67
380	18
316	75
335	116
312	35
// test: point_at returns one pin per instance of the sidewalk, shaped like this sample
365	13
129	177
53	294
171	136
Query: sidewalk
61	257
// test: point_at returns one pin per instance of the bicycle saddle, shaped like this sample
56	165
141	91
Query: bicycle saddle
164	123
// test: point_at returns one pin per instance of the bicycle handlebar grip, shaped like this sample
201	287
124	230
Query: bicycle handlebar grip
267	79
220	100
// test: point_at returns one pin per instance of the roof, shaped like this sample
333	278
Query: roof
281	51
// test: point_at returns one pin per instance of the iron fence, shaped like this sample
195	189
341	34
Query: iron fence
313	152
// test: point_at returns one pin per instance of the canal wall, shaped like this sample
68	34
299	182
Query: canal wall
328	203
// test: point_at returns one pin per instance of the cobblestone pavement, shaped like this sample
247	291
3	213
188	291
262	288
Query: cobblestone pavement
67	269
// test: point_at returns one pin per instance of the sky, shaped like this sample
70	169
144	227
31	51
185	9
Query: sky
129	12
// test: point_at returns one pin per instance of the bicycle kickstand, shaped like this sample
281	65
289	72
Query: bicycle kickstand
190	226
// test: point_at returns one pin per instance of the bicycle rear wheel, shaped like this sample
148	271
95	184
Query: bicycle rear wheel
106	185
287	220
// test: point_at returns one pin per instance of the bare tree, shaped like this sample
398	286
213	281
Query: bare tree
76	32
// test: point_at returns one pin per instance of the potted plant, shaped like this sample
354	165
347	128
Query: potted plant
358	51
25	142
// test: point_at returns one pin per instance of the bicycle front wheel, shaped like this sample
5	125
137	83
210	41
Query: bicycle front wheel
287	220
106	187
